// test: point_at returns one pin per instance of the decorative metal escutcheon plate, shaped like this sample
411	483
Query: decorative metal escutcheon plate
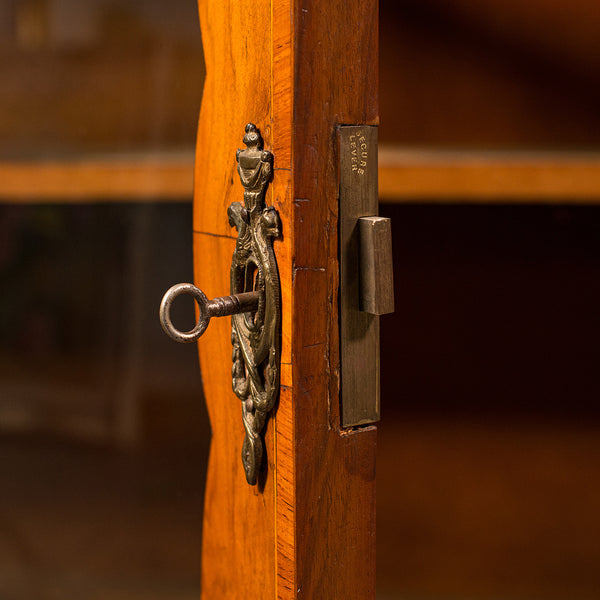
256	337
254	303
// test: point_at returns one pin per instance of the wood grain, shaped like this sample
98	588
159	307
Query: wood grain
336	48
297	69
239	545
236	35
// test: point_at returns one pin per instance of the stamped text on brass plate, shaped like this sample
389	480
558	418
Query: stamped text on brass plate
366	289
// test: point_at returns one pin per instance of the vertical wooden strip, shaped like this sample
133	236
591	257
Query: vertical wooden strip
281	123
237	90
239	557
281	128
238	545
285	506
335	83
282	89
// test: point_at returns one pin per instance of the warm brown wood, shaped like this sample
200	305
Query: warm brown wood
239	552
282	119
239	544
238	548
336	49
296	69
127	178
409	175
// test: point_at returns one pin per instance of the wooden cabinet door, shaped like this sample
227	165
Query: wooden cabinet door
297	69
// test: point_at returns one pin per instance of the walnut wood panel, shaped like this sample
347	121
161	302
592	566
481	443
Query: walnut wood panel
236	35
296	69
239	544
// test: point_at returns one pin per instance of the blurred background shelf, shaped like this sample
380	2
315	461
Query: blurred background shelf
494	176
165	176
406	175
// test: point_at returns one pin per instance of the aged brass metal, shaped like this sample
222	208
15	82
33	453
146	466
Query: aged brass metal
255	303
366	288
256	338
376	273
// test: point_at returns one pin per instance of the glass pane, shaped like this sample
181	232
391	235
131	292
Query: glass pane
103	430
493	74
103	433
488	468
98	76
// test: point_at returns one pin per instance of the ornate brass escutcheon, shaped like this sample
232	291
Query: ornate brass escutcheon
254	304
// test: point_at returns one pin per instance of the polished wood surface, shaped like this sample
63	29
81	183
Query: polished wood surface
308	530
239	547
336	78
437	176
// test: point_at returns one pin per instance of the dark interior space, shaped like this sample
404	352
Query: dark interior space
489	451
494	74
104	435
503	300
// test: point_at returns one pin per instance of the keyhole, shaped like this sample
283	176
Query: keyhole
251	284
251	277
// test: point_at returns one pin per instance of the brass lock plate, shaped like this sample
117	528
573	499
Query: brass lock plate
366	282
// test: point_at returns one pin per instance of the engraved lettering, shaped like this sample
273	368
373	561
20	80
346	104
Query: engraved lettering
358	153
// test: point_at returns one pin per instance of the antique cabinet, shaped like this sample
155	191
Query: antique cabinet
297	70
488	166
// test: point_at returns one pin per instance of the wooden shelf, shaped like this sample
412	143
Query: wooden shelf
408	175
119	178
